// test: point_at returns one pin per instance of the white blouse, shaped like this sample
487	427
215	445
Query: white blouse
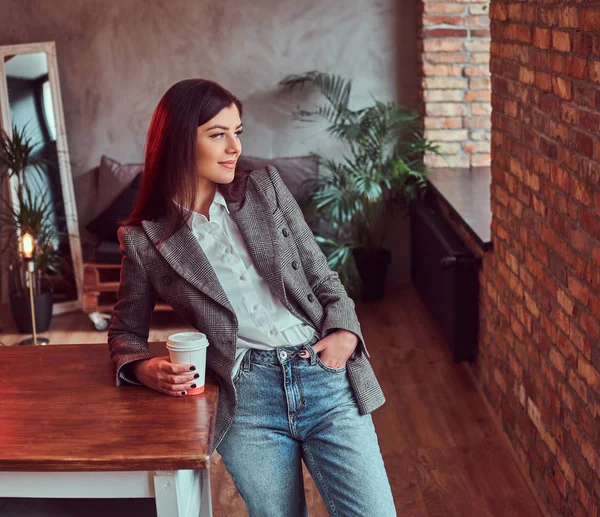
264	322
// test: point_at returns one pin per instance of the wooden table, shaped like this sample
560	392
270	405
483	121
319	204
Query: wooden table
66	431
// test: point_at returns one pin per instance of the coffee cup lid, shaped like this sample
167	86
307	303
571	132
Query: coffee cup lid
187	341
186	337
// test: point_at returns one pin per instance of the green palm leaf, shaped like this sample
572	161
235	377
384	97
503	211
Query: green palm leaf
355	195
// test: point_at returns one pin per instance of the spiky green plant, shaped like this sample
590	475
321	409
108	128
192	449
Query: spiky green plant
29	212
381	171
17	156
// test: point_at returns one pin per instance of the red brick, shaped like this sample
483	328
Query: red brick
589	453
543	81
568	17
561	41
444	57
480	22
577	67
589	18
594	68
542	38
590	222
589	374
567	348
443	8
480	58
582	44
589	325
442	45
476	71
579	290
443	122
431	20
498	12
442	70
562	88
548	16
480	33
579	239
579	339
478	96
445	33
578	384
556	62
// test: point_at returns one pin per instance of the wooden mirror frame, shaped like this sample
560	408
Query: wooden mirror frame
66	178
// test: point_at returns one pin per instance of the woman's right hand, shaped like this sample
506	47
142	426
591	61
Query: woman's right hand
161	375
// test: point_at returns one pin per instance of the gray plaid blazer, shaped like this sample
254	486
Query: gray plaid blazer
285	254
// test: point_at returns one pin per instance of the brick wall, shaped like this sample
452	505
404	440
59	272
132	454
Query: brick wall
539	357
454	43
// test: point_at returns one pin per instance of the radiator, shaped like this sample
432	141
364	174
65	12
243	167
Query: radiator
445	274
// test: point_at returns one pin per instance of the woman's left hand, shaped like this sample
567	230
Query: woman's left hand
335	348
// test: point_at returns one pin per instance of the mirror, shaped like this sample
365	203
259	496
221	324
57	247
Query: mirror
30	100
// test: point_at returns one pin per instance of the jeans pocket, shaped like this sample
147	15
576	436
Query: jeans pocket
330	369
321	364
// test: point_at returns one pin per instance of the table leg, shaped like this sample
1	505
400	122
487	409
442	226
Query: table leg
183	493
205	497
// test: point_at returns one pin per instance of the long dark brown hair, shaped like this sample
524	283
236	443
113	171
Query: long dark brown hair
170	163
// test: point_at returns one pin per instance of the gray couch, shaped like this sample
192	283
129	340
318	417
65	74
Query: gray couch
107	193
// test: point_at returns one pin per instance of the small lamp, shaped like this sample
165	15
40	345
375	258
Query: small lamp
28	246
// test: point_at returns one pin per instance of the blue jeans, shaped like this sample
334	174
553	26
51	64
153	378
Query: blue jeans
291	409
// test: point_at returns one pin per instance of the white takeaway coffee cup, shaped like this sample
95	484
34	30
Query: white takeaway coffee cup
190	348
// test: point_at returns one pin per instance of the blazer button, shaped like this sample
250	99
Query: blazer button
311	297
285	232
166	280
295	264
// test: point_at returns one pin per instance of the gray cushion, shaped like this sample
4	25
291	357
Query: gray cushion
105	226
114	178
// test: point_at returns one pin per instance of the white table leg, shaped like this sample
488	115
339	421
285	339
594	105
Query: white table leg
205	497
183	493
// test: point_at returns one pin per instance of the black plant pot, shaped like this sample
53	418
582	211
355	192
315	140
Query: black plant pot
21	311
372	265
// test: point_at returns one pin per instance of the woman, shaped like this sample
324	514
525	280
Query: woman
232	254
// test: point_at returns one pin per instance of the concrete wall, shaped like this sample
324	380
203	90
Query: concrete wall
117	57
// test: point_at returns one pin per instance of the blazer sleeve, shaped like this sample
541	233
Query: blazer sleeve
136	298
325	283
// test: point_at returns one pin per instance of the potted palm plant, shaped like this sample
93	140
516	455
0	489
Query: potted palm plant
353	205
30	211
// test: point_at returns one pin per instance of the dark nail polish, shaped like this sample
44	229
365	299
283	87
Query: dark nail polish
183	392
196	376
193	386
192	368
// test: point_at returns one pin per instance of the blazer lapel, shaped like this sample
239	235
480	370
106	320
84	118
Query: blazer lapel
183	253
260	235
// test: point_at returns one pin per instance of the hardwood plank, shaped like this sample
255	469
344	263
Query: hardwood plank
448	490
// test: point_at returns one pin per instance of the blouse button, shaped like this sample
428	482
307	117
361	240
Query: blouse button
311	297
295	264
166	280
285	232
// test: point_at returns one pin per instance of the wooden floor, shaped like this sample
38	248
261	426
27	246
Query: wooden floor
444	455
